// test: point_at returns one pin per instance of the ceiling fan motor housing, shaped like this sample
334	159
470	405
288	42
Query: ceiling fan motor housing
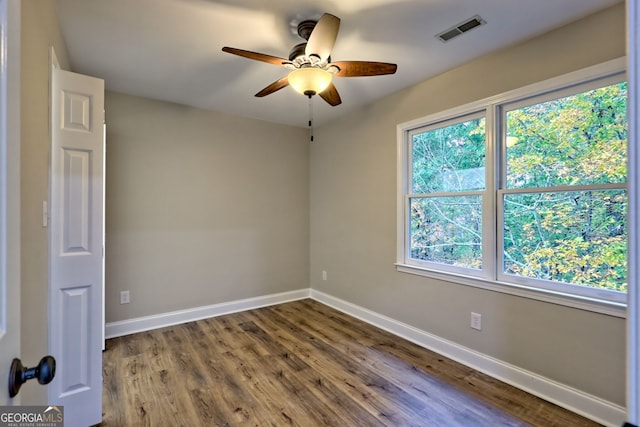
297	51
299	58
305	28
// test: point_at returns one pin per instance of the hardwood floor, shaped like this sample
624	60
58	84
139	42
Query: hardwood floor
302	364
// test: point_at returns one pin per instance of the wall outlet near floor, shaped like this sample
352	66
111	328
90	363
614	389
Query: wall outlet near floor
124	297
476	321
324	275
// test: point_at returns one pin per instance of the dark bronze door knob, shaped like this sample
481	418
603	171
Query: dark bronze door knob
18	374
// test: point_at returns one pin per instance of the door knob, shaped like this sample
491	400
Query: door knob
18	374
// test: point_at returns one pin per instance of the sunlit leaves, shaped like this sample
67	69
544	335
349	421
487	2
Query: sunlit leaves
576	140
569	237
448	159
551	229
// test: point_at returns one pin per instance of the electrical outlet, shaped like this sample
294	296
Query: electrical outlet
476	321
324	275
124	297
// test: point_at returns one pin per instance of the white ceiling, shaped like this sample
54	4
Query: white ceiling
170	50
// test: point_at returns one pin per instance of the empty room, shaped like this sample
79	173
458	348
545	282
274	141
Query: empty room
376	213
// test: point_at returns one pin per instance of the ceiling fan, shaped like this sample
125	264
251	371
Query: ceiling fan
310	62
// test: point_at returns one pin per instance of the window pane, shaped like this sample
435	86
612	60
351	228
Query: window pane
577	140
450	158
577	237
447	230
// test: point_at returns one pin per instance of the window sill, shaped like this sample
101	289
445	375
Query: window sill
582	303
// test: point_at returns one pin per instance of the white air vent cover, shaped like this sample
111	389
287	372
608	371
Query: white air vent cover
461	28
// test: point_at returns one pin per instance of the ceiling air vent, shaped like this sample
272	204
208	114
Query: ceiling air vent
461	28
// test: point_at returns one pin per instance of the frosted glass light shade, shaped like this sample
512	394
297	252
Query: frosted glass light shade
309	81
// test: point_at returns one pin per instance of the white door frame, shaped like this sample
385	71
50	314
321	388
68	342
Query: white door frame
9	191
633	307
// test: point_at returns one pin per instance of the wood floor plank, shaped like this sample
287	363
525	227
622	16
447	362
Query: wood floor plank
300	377
453	374
373	394
385	399
302	364
442	402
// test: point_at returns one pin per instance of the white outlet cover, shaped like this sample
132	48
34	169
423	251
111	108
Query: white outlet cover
476	321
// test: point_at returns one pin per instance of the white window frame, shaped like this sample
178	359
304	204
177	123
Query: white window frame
484	194
491	277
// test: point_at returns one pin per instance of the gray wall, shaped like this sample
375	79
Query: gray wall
201	208
353	221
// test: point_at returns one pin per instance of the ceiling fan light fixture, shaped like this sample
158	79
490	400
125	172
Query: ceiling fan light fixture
309	81
310	62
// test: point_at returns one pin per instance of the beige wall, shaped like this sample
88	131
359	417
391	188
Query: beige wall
202	207
39	31
353	221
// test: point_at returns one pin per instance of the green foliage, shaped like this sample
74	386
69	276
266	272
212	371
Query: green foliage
571	237
448	159
443	156
447	230
577	140
550	231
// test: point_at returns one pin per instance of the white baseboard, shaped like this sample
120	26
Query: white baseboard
147	323
592	407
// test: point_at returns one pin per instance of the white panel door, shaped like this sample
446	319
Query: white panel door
9	194
76	246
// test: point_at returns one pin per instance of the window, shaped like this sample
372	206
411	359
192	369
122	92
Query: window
447	186
524	193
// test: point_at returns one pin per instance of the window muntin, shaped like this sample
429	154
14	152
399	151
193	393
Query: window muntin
599	176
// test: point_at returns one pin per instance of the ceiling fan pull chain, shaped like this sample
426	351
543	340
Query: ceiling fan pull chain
310	119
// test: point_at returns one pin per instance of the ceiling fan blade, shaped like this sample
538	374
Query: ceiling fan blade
323	37
257	56
331	95
363	68
273	87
